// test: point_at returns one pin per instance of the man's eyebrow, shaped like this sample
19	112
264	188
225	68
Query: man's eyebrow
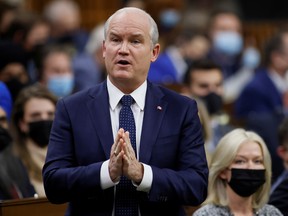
137	34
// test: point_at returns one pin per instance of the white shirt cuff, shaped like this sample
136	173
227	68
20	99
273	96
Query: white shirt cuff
147	179
105	179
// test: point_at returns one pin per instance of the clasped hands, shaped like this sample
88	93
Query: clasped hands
123	160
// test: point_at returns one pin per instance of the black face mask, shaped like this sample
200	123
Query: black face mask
39	131
5	138
213	103
246	182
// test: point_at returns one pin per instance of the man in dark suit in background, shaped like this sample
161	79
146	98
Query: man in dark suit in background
261	104
88	154
279	190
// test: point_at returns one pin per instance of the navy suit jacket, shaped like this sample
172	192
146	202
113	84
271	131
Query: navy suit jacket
279	197
171	143
260	96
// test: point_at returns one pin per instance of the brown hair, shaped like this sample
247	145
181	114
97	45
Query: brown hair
34	91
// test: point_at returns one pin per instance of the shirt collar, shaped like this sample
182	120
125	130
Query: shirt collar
279	82
115	94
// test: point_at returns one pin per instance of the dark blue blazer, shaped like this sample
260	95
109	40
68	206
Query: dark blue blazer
171	143
279	197
260	96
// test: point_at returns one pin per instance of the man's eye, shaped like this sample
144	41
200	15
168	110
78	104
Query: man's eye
114	39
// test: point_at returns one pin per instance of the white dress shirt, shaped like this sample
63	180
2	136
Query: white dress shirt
115	96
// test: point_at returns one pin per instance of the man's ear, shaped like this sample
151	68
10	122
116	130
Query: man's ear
282	153
155	52
103	49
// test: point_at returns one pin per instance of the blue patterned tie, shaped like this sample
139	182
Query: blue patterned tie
126	197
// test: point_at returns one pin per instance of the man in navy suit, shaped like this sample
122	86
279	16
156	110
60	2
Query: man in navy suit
279	190
88	153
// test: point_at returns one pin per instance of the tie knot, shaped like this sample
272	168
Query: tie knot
127	100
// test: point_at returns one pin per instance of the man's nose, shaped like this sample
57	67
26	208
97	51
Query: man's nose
124	47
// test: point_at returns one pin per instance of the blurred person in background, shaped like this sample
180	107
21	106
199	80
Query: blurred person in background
19	50
14	179
7	14
172	63
54	70
262	104
13	69
228	50
32	118
35	37
279	190
204	82
239	177
225	32
65	20
135	3
88	67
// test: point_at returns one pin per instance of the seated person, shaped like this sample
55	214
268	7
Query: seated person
239	177
54	68
279	190
14	180
204	82
261	104
32	119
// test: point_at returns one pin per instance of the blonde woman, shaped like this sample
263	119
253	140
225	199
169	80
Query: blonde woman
240	177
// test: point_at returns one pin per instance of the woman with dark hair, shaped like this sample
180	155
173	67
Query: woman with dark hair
32	117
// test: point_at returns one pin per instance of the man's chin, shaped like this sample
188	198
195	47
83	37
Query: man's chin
124	74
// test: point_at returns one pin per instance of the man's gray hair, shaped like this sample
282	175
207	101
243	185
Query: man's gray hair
154	34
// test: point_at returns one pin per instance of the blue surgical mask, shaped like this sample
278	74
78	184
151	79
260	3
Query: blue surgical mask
169	18
61	85
251	58
228	42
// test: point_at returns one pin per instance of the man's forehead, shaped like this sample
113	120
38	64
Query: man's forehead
130	18
128	29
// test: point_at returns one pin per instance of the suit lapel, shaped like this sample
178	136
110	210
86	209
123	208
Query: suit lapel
98	107
154	112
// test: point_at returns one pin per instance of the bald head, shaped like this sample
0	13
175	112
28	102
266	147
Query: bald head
154	35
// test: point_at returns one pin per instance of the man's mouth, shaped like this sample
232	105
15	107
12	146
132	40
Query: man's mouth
123	62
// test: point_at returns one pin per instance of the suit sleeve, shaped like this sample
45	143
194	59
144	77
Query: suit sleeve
279	198
186	181
64	180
